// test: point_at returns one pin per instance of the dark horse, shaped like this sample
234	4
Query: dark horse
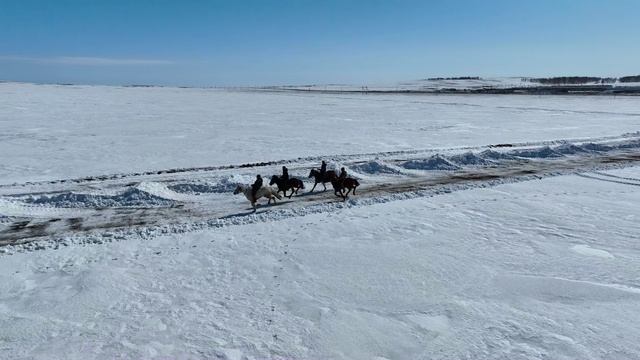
292	184
320	179
340	186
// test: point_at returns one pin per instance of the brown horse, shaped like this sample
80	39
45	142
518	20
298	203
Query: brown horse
322	179
292	184
340	186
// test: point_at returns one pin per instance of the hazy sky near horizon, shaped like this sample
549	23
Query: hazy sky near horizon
260	42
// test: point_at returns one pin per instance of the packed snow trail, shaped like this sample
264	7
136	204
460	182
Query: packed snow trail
116	208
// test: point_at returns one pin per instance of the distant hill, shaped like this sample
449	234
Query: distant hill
560	85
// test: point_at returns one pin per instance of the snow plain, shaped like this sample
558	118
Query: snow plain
543	266
44	128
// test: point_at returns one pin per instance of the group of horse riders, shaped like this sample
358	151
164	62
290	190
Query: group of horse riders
338	182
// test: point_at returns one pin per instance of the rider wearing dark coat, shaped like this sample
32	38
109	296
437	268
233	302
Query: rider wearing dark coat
256	186
285	174
343	175
323	168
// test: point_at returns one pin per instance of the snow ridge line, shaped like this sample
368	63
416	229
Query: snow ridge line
337	157
150	232
608	180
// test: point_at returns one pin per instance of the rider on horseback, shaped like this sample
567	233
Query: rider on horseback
285	174
323	168
342	176
256	186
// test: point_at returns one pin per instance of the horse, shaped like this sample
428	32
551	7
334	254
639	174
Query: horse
320	179
293	184
347	183
264	191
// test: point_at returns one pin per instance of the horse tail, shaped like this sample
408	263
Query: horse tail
356	182
301	184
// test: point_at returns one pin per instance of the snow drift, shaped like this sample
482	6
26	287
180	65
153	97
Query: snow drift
132	197
436	162
375	167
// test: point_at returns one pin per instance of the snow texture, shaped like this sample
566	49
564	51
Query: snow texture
486	227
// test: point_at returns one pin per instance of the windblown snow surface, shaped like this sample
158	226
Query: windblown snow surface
485	227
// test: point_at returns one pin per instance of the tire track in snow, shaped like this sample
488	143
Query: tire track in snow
608	180
616	176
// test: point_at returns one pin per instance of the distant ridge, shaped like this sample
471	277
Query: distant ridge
560	85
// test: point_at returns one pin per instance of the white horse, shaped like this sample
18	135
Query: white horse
265	191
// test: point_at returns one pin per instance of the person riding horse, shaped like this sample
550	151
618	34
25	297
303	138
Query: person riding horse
285	174
343	182
342	176
323	168
256	185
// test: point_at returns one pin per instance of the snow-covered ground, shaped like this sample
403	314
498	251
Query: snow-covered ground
452	248
58	132
534	270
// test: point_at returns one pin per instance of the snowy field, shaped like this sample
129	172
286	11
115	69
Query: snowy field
57	132
120	237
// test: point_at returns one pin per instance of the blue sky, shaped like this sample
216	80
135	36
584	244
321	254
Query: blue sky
209	42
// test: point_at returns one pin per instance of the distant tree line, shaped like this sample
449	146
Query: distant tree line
628	79
581	80
565	80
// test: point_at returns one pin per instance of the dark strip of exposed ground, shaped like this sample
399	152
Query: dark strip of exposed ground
520	90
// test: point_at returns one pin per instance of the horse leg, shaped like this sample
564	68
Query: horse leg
325	187
314	186
290	195
354	190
